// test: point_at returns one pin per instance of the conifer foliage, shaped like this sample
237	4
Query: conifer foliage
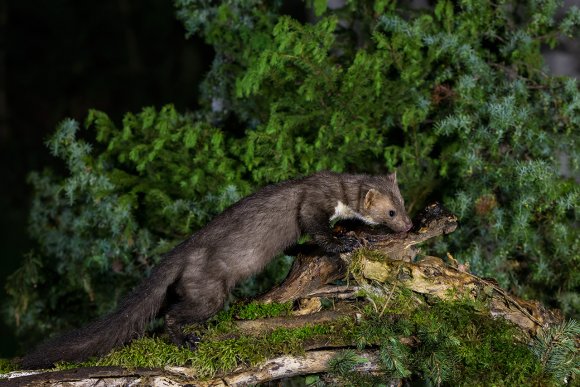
454	96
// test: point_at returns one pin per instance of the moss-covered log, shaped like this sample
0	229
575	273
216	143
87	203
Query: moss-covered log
313	269
430	275
433	277
393	306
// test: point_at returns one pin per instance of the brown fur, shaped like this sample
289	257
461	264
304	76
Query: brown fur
236	244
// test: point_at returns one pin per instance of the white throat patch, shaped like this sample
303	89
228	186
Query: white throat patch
342	211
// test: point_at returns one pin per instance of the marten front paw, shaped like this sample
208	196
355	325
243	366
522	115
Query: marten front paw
350	244
342	245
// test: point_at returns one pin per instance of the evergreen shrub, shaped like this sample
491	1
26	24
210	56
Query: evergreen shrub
454	96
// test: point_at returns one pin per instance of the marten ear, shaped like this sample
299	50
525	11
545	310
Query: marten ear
371	195
392	177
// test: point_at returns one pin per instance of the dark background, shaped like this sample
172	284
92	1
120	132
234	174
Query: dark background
59	58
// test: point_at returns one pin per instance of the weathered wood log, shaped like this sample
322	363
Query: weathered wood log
431	276
313	362
312	268
96	376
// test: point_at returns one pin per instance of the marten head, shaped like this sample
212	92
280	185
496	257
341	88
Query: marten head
383	204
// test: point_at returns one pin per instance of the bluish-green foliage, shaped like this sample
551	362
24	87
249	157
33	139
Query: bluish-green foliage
131	194
455	97
453	343
556	348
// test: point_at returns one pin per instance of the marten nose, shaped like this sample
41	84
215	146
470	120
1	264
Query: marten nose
408	226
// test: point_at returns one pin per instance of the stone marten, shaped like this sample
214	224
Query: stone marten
199	273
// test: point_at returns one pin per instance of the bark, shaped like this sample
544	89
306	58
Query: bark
313	362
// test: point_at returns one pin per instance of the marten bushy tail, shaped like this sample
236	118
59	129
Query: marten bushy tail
128	321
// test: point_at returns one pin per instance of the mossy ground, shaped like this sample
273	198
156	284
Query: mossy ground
213	356
222	347
454	343
256	310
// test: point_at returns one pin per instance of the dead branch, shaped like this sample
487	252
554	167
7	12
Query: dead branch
262	326
312	362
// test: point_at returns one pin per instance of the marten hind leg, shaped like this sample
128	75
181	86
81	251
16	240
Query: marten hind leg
196	305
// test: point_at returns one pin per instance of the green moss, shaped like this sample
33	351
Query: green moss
222	323
355	265
251	311
7	365
143	352
147	352
256	310
212	356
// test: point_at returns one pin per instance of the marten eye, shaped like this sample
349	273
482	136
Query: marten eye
392	213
